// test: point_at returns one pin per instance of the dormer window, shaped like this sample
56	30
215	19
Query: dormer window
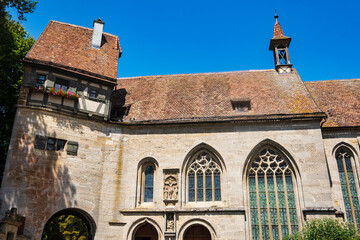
61	84
241	104
40	80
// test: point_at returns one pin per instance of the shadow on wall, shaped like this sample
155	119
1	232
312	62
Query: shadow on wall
36	181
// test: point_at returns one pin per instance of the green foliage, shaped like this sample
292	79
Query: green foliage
14	45
22	7
326	229
65	227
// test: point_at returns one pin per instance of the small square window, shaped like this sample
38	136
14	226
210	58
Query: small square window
51	144
93	93
40	80
241	104
60	145
54	144
61	84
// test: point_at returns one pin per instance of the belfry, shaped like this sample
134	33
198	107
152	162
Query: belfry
279	44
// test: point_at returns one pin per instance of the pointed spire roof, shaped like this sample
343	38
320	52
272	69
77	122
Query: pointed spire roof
279	36
278	32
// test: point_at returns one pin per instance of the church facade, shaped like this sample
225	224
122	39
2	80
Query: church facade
210	156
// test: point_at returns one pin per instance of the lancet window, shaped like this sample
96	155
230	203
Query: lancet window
346	169
272	197
149	183
204	178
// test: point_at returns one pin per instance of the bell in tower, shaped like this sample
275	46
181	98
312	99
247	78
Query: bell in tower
279	44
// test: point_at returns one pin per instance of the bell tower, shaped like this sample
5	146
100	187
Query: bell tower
279	44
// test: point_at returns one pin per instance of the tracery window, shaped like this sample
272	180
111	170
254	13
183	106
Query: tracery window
272	196
348	185
204	178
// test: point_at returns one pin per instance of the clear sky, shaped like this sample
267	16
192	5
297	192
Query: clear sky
193	36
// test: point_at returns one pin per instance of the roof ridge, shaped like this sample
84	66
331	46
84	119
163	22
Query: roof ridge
206	73
333	80
77	26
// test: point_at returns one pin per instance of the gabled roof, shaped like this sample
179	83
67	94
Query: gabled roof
69	46
191	97
340	99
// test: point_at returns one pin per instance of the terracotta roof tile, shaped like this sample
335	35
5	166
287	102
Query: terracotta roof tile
340	99
209	95
278	32
69	46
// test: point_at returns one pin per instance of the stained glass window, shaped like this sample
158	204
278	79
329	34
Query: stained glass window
149	184
272	198
204	178
348	185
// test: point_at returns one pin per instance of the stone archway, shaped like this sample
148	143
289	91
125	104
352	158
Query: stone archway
197	232
73	223
146	232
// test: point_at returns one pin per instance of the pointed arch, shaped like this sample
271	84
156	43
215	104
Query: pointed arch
197	221
136	225
202	172
198	148
346	161
271	143
271	177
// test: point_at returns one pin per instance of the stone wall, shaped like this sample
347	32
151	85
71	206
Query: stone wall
103	181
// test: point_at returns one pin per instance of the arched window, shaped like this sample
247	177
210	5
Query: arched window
149	183
146	179
344	158
204	178
272	197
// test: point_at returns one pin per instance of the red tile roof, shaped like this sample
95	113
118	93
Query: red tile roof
209	95
69	46
278	32
340	99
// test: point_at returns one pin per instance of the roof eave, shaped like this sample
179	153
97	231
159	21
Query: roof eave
70	69
254	118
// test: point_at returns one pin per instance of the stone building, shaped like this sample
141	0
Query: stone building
220	156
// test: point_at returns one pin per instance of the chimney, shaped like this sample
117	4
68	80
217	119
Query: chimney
97	33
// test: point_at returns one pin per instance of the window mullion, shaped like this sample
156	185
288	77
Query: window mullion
195	176
213	186
258	205
349	191
277	206
286	203
204	186
268	206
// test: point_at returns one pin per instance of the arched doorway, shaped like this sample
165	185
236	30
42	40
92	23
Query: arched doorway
69	224
197	232
146	232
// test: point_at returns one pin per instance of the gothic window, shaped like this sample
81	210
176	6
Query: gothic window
146	178
148	183
344	158
272	197
204	178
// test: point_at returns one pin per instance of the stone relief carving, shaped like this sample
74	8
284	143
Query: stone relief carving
170	224
171	186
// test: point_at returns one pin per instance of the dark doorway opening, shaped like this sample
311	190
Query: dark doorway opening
197	232
146	232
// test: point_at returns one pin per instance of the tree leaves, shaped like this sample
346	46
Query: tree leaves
15	42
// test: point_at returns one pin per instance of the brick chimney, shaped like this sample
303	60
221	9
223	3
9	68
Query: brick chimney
97	33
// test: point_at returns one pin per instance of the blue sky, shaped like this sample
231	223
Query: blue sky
171	37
